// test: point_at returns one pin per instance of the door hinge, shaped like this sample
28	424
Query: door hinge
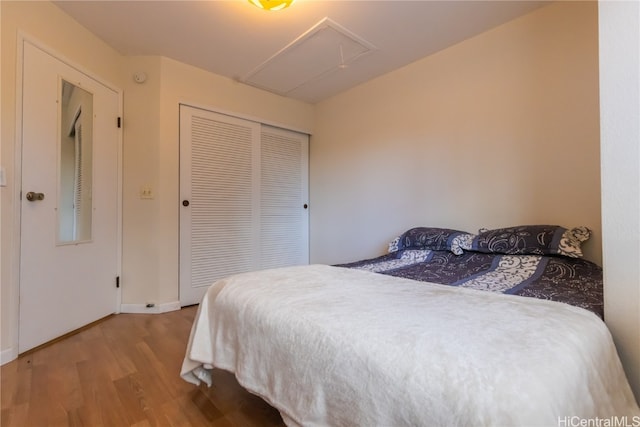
119	122
117	281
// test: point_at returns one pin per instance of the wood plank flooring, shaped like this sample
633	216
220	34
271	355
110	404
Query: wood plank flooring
124	371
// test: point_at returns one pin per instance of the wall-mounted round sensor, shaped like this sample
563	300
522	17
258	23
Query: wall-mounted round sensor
140	77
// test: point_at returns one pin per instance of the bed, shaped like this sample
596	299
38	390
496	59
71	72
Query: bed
344	345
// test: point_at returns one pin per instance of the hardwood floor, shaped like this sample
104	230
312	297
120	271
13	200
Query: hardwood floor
124	371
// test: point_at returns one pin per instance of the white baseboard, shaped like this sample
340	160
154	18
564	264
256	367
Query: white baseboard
7	356
154	309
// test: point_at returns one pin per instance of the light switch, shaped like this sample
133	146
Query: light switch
146	192
3	177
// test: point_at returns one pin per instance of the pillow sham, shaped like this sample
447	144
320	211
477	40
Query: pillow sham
532	240
437	239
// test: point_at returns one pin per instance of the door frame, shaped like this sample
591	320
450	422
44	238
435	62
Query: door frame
14	267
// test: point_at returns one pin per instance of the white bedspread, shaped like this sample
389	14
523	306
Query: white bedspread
330	346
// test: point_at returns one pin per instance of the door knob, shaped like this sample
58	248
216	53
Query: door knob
33	197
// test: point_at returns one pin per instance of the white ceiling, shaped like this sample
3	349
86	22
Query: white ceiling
235	39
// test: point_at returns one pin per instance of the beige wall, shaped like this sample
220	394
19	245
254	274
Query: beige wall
620	105
499	130
141	167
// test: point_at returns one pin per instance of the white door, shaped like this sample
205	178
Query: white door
69	201
244	192
284	197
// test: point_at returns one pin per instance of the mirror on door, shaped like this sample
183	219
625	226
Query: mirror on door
75	164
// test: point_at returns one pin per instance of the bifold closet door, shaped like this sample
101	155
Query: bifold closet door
243	191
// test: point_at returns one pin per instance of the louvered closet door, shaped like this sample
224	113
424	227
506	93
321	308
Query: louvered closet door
283	197
245	189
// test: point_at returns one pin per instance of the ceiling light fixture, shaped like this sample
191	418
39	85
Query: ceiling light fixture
272	4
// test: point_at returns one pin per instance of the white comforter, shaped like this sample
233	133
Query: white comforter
329	346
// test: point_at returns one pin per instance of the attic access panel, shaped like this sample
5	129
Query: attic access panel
323	49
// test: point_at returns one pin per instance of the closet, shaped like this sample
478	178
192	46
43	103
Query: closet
244	198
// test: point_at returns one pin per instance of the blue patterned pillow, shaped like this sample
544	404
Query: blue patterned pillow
437	239
532	239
